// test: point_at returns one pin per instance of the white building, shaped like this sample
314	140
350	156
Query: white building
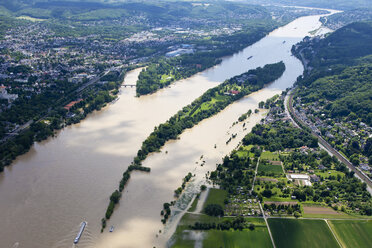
299	177
4	94
178	52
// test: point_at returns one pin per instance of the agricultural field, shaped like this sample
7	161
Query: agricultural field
184	237
269	168
301	233
353	233
246	238
317	211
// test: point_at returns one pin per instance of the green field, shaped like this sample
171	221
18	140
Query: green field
301	233
244	151
184	237
270	168
330	173
353	233
269	155
236	239
216	196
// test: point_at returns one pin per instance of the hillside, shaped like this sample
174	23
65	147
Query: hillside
339	20
334	95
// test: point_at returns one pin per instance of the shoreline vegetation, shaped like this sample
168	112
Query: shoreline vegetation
93	98
210	103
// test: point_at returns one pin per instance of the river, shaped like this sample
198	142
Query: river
46	193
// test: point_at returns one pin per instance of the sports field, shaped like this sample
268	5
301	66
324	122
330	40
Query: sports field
288	233
353	233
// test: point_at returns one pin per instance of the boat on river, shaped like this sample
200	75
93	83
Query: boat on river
78	236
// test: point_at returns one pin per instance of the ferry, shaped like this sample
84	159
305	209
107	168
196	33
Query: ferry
78	236
111	228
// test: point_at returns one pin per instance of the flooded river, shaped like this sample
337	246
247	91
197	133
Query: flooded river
49	191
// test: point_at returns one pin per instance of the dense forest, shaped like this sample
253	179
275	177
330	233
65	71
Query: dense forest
279	136
347	94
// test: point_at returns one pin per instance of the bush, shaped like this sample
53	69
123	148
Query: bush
251	227
115	196
297	214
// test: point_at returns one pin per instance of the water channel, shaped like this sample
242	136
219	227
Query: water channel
60	182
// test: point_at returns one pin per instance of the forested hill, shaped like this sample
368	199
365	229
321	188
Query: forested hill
334	97
344	47
348	93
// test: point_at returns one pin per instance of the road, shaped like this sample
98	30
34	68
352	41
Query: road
255	175
324	143
267	224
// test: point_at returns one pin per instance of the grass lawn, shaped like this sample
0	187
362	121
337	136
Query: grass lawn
216	196
166	78
353	233
301	233
244	151
326	174
269	155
